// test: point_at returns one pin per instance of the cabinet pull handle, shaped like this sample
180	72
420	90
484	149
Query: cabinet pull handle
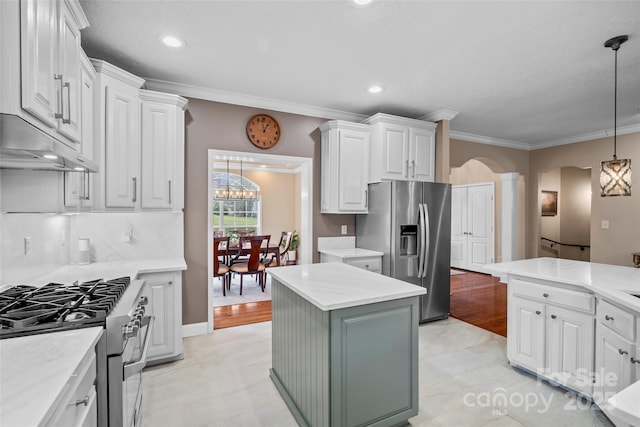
135	189
366	198
84	401
87	187
607	317
634	360
68	120
622	352
553	316
545	295
413	168
58	115
537	311
169	191
407	165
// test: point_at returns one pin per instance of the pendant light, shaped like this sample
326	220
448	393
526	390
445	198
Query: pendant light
223	193
615	175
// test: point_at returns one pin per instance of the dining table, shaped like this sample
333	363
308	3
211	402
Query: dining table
273	248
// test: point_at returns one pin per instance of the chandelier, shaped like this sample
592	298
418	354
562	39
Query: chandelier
615	175
235	192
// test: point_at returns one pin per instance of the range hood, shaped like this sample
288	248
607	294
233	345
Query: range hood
23	146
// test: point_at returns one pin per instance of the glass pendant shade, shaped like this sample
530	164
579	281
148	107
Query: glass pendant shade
615	178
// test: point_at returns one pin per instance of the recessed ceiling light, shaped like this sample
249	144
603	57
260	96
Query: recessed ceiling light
361	2
375	89
50	156
172	41
78	168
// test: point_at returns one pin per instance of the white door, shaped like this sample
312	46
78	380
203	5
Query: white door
396	151
459	227
472	231
422	155
70	68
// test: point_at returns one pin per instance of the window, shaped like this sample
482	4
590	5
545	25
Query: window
234	215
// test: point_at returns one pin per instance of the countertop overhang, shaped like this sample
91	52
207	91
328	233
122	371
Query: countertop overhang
334	285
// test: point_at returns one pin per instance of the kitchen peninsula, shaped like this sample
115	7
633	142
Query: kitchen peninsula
345	345
577	324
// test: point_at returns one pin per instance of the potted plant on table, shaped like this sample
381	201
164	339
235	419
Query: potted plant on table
293	246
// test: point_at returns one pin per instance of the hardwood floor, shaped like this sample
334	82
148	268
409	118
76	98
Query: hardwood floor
481	300
241	314
476	298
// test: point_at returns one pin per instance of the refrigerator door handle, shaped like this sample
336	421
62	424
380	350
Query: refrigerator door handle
421	240
425	245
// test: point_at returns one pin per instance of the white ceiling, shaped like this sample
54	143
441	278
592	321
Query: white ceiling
519	73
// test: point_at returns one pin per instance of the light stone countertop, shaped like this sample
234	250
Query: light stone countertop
351	253
36	373
108	270
334	285
612	282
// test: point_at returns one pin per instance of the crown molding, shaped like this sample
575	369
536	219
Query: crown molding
490	141
586	137
162	97
251	101
103	67
438	115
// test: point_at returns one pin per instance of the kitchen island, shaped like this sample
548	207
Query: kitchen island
345	345
577	324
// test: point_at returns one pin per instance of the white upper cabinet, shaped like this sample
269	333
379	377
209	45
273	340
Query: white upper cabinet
139	143
401	148
78	190
117	142
344	167
162	174
50	57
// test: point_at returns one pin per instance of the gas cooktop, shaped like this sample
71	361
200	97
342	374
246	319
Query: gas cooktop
26	310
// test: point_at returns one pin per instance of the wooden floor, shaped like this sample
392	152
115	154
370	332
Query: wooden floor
481	300
476	298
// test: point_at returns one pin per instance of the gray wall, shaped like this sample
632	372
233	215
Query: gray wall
214	125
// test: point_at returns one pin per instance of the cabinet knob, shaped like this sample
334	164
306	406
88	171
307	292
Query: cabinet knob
622	352
553	316
607	317
545	295
538	312
634	360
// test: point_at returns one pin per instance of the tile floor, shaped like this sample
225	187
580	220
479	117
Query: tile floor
464	380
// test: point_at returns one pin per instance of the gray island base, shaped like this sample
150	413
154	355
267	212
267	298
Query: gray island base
345	345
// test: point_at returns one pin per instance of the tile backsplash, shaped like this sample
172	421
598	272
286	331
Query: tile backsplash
113	237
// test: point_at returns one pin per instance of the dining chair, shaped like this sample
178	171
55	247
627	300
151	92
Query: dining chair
221	269
285	242
258	247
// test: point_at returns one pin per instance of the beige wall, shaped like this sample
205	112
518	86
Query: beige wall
549	225
575	212
213	125
612	246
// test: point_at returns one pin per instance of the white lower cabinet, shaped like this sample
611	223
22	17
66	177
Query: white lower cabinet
164	294
615	349
551	332
80	407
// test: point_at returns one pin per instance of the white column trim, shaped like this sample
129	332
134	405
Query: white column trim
509	216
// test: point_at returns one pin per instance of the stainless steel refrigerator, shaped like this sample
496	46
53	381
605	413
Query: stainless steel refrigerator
410	222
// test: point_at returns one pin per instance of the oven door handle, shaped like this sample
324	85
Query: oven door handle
135	367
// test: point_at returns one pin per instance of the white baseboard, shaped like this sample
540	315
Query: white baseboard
194	329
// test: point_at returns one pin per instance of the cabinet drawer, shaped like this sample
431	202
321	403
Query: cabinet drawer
80	397
369	263
616	319
552	295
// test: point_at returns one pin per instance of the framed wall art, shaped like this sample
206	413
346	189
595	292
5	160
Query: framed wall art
549	203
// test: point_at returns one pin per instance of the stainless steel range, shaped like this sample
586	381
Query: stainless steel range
114	304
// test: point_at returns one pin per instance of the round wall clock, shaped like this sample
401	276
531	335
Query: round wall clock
263	131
